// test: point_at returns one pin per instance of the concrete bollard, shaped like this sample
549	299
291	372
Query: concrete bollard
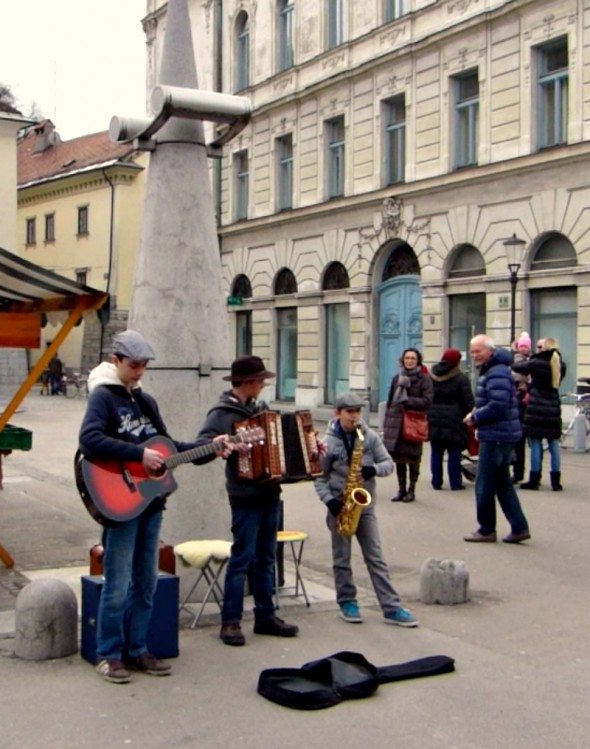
46	621
445	582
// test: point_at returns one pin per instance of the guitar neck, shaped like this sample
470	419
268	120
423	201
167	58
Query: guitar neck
195	452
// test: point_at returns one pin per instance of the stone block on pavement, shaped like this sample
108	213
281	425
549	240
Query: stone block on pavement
46	621
444	581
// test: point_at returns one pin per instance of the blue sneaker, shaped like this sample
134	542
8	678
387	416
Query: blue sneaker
350	612
401	617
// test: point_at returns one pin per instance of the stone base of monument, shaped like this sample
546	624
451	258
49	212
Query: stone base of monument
46	621
444	581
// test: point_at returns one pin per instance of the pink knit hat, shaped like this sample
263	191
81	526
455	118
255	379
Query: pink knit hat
524	342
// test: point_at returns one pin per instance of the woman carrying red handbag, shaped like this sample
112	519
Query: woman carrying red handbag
410	390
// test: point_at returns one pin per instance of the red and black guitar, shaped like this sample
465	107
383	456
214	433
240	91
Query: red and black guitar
115	491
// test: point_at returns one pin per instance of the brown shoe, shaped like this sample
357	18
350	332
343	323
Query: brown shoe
276	627
149	664
232	634
482	538
516	538
113	671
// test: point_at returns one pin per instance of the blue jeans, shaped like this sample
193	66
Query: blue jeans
255	523
131	576
437	451
493	480
367	535
537	455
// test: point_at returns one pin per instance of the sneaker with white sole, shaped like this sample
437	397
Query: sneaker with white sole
350	612
402	617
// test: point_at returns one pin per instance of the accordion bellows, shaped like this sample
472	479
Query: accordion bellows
289	451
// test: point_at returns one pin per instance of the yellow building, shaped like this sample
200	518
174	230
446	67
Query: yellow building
80	205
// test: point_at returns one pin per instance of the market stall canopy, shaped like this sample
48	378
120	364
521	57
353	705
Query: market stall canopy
30	295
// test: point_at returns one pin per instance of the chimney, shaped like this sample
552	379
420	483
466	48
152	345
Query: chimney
46	136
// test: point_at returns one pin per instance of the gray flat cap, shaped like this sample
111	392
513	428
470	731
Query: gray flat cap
349	400
132	344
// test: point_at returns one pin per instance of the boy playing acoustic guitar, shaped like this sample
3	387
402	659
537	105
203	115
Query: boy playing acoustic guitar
119	418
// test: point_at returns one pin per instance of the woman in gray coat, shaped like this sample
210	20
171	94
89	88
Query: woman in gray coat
410	389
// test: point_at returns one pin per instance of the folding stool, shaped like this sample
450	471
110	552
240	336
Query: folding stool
210	558
292	538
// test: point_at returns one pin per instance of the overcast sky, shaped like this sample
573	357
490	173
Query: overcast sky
81	61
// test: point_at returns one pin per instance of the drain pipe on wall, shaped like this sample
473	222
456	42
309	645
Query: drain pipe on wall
101	317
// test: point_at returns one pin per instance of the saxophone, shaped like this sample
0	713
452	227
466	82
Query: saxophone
355	497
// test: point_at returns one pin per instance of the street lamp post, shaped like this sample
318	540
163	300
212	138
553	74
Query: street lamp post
514	246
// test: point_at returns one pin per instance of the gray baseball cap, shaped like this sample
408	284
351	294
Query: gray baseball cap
349	400
132	344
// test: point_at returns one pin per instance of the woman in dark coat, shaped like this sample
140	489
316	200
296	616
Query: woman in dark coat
410	389
453	400
542	418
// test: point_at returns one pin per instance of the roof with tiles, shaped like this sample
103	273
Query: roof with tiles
43	155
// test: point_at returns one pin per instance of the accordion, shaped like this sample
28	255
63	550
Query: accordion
289	451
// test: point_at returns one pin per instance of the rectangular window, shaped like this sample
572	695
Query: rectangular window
31	231
466	96
395	139
552	93
285	35
83	219
243	333
241	185
395	9
81	276
335	23
50	227
242	70
285	172
335	157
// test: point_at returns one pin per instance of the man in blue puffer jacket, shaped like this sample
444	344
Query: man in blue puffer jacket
495	417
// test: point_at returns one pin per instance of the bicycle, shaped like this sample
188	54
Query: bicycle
75	385
582	406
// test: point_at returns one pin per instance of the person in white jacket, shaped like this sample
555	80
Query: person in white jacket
376	461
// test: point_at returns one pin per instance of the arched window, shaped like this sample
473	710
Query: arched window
554	251
467	261
401	262
335	277
242	49
242	287
285	282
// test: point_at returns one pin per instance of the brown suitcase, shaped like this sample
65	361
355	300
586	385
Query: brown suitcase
166	563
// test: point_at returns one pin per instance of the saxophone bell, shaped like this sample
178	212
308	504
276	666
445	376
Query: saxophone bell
355	497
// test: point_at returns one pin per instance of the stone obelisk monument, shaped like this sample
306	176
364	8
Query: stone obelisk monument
177	300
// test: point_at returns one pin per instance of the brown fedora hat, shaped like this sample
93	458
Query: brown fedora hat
246	368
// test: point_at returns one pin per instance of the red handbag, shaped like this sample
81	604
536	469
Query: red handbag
415	426
472	441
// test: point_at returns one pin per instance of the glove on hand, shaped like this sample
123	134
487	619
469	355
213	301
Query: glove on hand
367	472
334	505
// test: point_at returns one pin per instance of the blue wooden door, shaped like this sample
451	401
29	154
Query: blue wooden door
400	325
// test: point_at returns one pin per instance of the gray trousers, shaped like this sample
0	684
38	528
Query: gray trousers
367	535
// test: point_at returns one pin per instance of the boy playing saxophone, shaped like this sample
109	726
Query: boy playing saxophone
354	455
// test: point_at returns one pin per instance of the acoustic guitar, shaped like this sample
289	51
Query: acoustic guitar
115	491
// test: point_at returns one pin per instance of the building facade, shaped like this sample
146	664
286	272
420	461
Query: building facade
80	204
395	146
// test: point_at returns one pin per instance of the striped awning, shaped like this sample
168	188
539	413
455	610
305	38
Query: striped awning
26	287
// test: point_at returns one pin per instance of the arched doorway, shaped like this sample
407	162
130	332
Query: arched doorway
400	311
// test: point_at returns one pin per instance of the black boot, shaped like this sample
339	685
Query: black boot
400	469
533	482
410	495
556	481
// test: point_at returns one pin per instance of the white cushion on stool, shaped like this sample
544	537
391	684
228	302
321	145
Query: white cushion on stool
198	553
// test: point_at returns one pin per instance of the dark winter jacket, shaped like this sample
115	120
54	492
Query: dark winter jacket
420	394
542	417
117	421
220	420
496	409
453	400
